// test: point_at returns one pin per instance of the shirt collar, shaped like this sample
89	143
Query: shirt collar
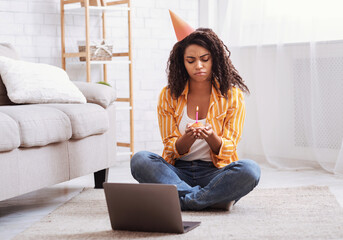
185	91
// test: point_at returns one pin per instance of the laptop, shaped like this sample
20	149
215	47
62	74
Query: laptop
145	207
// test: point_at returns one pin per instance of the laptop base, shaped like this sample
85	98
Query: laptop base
187	226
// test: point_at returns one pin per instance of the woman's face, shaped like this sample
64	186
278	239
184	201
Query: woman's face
198	63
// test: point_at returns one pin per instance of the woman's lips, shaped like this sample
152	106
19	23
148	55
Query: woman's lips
200	73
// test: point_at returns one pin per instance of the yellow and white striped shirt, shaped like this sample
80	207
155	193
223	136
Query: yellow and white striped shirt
226	116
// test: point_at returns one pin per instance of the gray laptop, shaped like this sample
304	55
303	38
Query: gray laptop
145	207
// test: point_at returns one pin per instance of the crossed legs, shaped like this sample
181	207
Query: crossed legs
199	184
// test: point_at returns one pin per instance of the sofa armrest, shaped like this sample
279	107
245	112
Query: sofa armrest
97	93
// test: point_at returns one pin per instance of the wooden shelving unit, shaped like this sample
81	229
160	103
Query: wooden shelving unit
122	5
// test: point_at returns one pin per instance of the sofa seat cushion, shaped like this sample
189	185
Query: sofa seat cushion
10	138
39	126
86	119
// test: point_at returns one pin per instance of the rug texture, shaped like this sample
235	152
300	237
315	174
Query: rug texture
283	213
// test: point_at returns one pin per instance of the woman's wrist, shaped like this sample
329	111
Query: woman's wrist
215	142
184	143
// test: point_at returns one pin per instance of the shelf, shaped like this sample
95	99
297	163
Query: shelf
123	99
76	8
103	62
121	144
122	54
83	54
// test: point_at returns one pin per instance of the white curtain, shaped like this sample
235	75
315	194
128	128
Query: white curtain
290	53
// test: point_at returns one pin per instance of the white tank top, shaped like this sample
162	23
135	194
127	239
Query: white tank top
200	150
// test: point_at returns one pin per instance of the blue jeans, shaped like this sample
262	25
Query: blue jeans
200	184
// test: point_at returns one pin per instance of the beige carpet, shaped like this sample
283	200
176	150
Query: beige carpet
288	213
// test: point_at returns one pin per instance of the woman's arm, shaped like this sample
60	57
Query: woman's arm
175	144
184	143
231	128
212	139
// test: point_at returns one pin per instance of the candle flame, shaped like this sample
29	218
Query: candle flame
197	108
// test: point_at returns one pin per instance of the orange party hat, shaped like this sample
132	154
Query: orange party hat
182	29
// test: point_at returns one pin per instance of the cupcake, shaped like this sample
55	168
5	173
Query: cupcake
197	124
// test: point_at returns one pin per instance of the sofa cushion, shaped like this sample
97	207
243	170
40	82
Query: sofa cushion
10	138
28	82
86	119
39	126
6	50
97	93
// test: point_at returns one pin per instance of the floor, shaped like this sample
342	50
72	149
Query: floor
19	213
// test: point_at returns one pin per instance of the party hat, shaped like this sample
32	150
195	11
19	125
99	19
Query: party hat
182	29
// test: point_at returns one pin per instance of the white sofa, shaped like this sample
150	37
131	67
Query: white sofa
45	144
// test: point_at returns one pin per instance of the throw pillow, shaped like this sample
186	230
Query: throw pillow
97	93
28	82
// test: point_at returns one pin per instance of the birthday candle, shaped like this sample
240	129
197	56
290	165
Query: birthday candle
196	114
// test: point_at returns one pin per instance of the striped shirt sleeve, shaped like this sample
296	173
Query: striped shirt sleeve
232	128
168	126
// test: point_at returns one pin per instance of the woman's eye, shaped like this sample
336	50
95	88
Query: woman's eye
190	61
205	59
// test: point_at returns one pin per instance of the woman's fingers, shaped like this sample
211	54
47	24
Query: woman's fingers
188	130
203	134
198	132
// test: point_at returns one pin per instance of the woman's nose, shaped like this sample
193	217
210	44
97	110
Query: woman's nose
198	65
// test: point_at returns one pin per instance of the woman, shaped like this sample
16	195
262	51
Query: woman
201	161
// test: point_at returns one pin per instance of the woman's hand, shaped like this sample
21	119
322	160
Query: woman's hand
212	139
203	132
184	143
190	131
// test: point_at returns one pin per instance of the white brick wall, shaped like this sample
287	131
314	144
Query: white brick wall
33	26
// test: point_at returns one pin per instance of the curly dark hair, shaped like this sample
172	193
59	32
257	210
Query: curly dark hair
222	67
